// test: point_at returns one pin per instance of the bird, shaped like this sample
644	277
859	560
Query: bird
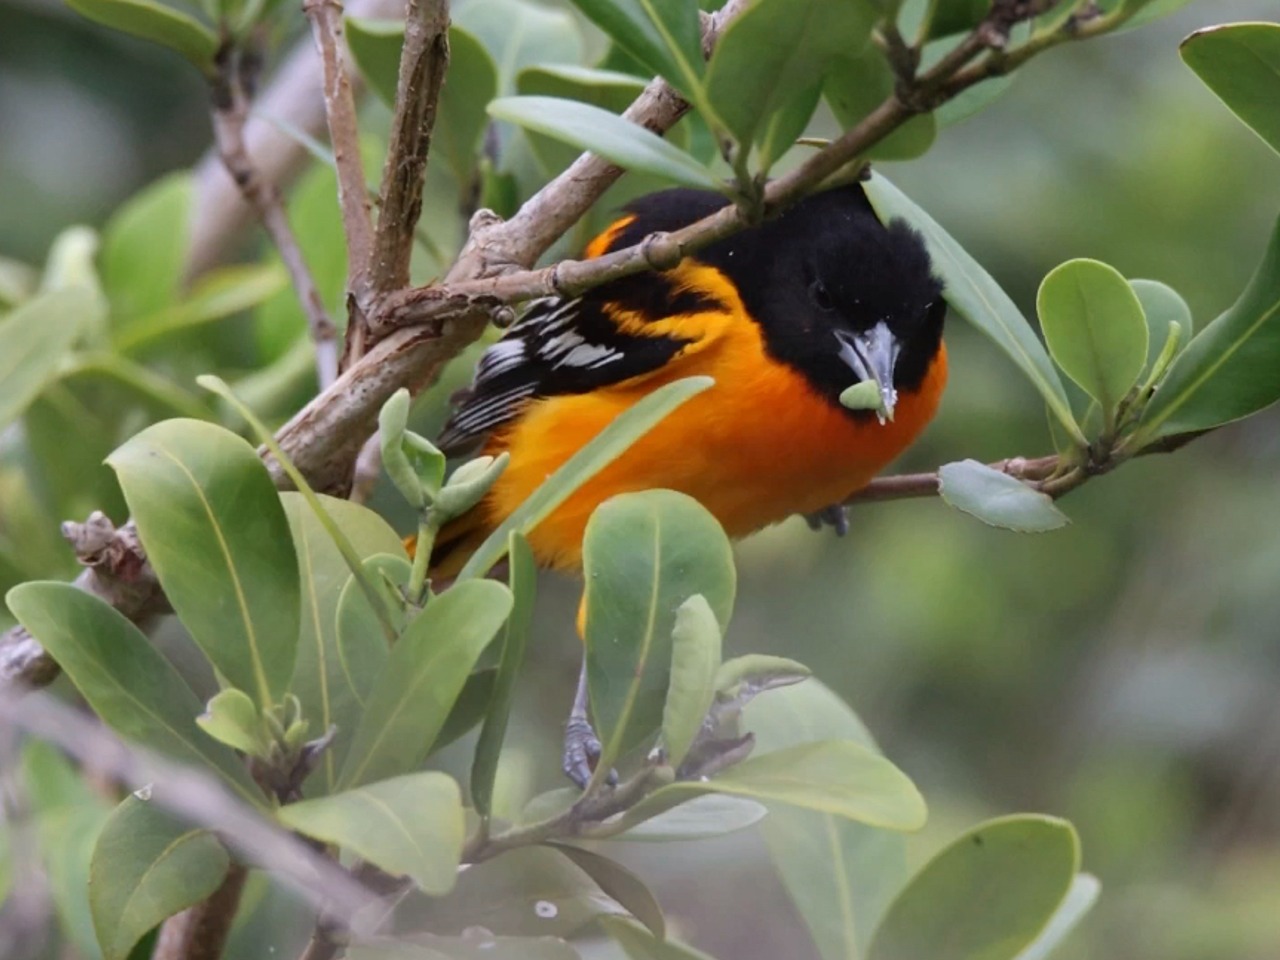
784	316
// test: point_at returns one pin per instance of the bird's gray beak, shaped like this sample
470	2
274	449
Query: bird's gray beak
872	355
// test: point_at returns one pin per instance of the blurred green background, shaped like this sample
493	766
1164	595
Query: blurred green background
1121	672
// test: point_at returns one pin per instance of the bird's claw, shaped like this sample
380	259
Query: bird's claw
582	751
833	516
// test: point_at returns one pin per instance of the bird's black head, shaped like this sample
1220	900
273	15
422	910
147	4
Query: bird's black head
841	297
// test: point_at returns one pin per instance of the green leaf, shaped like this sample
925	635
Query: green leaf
782	128
840	777
988	894
1231	368
593	457
71	263
469	709
217	295
774	51
232	718
416	469
947	17
146	867
384	606
375	46
1163	307
519	34
695	658
664	35
640	944
527	892
619	883
159	24
840	874
144	249
1078	901
973	294
998	499
35	340
620	141
643	555
422	678
698	818
126	681
1095	328
215	532
408	826
471	83
332	678
606	89
758	670
857	83
523	580
358	620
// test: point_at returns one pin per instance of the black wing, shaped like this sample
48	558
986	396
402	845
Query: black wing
559	346
574	346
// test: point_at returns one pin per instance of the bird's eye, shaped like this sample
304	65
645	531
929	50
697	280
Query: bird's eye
820	296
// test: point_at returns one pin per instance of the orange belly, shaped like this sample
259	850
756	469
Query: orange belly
754	448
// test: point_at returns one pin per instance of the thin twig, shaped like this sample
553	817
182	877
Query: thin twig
195	797
344	135
423	62
230	113
906	486
290	102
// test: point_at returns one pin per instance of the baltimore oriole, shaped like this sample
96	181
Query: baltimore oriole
784	316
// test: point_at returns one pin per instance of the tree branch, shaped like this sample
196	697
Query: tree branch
195	797
344	134
230	112
201	932
291	99
423	62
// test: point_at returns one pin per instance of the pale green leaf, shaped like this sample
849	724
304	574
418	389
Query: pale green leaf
1231	368
410	826
998	499
695	658
619	883
36	339
664	35
155	22
1163	307
620	141
1240	62
643	555
989	894
1095	329
146	867
422	678
523	580
774	51
214	530
332	679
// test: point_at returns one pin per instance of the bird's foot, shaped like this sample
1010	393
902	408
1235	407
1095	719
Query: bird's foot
834	516
582	751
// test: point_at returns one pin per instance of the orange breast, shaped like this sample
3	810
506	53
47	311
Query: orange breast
755	448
